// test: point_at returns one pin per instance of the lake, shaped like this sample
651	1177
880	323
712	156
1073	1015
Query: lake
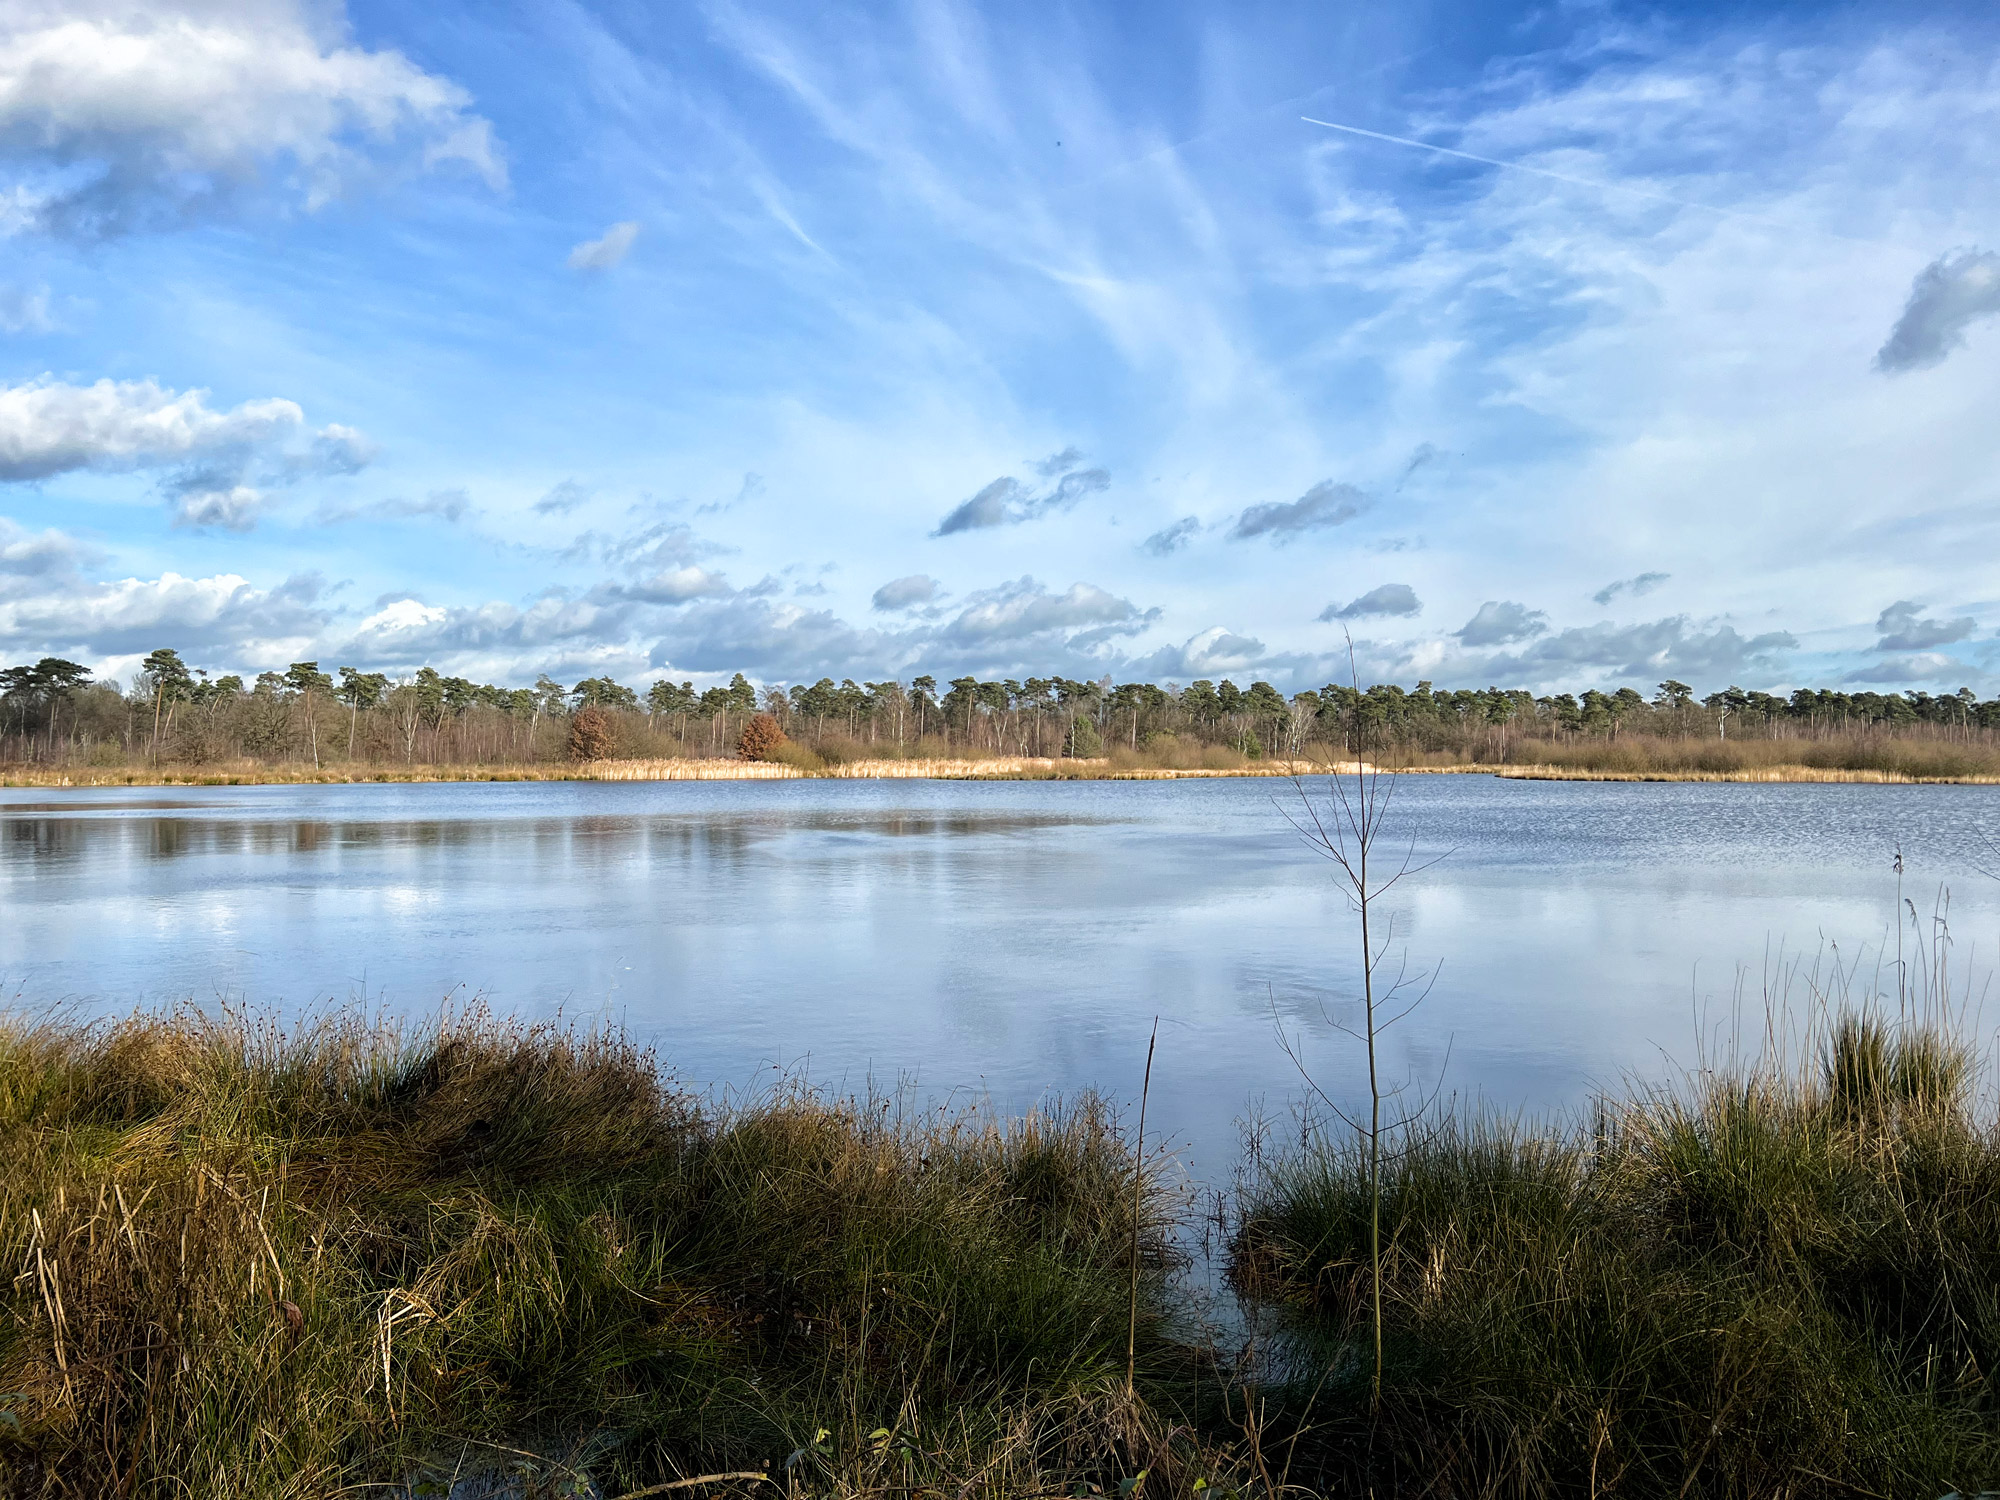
1001	939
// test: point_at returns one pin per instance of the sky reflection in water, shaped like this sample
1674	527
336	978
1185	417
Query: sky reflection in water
1014	938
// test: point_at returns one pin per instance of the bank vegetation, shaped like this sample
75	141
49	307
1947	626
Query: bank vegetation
174	722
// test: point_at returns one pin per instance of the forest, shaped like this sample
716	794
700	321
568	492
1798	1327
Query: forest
54	713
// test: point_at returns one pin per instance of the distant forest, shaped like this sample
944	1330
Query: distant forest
52	712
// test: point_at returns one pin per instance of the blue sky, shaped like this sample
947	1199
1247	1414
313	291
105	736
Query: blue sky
812	340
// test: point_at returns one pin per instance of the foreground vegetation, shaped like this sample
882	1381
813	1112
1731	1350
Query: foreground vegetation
342	1261
1762	1284
254	1264
172	720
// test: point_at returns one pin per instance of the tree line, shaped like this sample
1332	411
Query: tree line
55	711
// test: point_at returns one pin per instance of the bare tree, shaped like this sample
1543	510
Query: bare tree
1348	827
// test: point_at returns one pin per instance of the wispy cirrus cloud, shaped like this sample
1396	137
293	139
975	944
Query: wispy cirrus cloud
607	250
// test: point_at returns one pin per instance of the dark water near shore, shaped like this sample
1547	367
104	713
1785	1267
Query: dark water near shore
1012	939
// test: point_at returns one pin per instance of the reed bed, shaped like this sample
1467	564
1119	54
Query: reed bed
344	1259
1769	1281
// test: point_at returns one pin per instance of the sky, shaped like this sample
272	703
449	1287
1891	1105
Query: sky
1541	345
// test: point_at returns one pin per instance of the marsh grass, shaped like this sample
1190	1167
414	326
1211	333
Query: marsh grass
1773	1280
254	1262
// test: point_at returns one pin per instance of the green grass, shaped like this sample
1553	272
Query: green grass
342	1260
1761	1284
266	1264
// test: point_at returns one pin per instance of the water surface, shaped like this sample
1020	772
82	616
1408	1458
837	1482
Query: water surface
1010	938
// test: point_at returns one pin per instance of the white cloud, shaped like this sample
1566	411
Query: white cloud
231	507
604	252
115	114
1903	626
1501	621
1023	609
1922	666
220	464
906	593
1212	653
48	427
37	554
68	616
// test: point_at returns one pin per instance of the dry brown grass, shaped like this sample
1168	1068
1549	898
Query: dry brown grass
245	1261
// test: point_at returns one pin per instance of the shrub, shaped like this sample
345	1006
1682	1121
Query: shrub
1082	741
590	735
761	739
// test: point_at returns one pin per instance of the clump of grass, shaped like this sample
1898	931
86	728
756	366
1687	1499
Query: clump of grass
256	1262
1754	1285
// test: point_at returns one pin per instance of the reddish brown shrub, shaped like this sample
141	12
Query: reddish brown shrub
590	735
761	739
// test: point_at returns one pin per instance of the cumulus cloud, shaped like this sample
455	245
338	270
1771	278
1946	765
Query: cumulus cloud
1637	587
1950	294
48	427
1387	599
1904	627
1008	501
1667	647
771	639
1213	653
26	554
1922	666
906	593
1023	609
1171	539
1500	622
604	252
219	466
669	585
72	617
206	503
122	114
1325	504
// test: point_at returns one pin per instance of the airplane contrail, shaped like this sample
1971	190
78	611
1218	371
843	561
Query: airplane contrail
1515	166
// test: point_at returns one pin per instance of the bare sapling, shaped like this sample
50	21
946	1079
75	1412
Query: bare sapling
1349	826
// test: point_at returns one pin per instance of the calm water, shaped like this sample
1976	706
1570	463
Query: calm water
1012	938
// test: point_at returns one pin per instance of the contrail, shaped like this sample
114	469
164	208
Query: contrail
1515	166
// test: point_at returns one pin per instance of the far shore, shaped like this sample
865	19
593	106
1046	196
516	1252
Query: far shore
1003	768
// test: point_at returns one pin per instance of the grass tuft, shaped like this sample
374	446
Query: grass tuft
260	1262
1755	1285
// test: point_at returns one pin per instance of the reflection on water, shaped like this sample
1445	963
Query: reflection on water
1015	937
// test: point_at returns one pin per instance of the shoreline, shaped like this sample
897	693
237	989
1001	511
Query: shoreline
1003	768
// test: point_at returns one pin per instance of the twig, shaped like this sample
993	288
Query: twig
1138	1202
688	1484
